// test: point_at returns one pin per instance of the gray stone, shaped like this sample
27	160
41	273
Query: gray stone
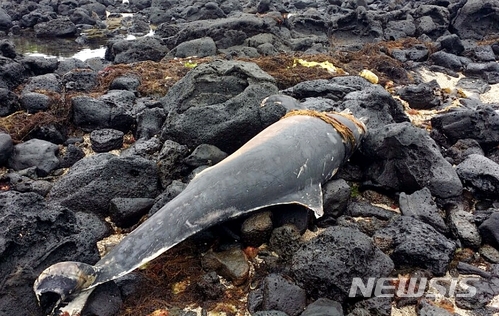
70	64
488	230
171	191
59	27
375	105
82	16
226	32
335	89
452	44
72	154
489	253
23	184
486	71
468	269
415	244
455	125
336	194
293	214
284	241
80	80
269	313
323	307
218	103
462	225
104	140
446	60
13	73
149	123
205	155
381	306
431	20
128	83
427	308
364	208
140	49
481	174
200	47
475	85
10	102
267	49
146	148
458	152
256	229
326	264
90	114
47	82
5	20
399	29
169	161
476	19
210	286
34	102
484	53
405	158
94	181
420	96
485	291
283	295
420	205
6	147
231	264
126	212
35	153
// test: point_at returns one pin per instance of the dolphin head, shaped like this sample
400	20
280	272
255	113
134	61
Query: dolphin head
62	280
352	129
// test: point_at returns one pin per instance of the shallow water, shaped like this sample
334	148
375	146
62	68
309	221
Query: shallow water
61	48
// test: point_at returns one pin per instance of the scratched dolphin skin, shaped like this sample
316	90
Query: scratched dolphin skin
286	163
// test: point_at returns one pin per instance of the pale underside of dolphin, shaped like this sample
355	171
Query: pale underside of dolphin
286	163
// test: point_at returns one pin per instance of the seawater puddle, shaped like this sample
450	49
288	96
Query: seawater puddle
60	48
64	48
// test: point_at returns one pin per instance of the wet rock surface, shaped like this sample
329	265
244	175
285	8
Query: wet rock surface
421	193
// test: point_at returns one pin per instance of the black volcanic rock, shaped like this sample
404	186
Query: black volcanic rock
217	103
34	236
481	125
406	158
416	244
94	181
326	264
59	27
476	19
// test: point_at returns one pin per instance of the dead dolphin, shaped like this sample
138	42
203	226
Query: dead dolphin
286	163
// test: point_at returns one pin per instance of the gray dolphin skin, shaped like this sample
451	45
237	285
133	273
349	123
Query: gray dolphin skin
286	163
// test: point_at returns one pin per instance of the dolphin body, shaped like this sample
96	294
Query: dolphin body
286	163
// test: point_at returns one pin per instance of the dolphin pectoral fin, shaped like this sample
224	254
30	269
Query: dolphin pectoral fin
310	197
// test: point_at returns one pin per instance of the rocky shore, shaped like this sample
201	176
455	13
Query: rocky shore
89	149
